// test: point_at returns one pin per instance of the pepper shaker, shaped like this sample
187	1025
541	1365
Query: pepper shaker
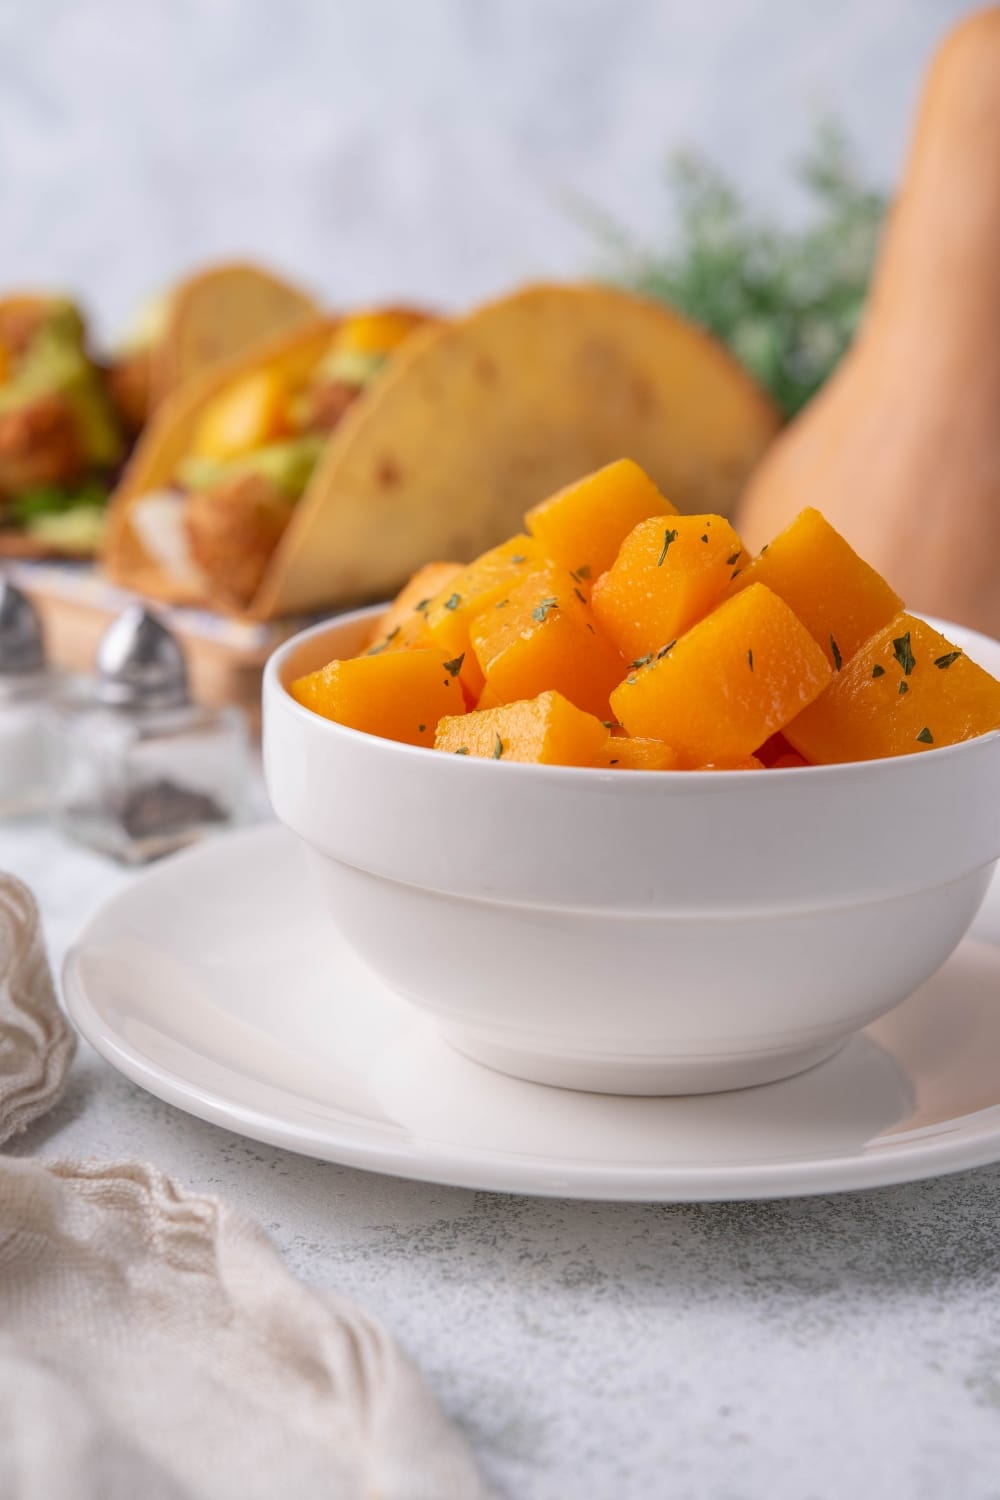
136	769
26	684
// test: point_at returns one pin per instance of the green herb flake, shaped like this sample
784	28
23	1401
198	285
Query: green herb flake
735	574
705	537
642	661
455	665
498	748
502	604
518	557
838	660
591	628
541	610
925	737
665	650
421	728
453	602
734	559
945	661
462	750
583	571
878	671
750	660
611	724
902	652
764	548
668	537
904	686
375	650
612	762
419	608
579	596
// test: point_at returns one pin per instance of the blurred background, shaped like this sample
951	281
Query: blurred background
443	150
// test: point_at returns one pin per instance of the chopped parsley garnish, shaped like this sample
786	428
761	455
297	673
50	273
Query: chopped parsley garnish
579	596
498	748
643	661
591	628
668	537
611	724
764	548
518	557
583	571
419	608
455	665
750	660
735	574
502	604
453	602
838	660
462	750
664	650
422	728
374	650
945	661
903	654
612	762
904	686
541	610
878	671
734	559
705	537
925	737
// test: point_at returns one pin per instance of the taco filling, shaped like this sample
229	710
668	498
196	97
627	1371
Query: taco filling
253	451
60	442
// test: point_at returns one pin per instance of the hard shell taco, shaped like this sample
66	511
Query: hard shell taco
206	318
61	442
438	452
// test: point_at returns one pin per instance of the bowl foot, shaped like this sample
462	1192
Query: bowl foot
617	1075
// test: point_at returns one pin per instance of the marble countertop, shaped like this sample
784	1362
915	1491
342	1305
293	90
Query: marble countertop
794	1350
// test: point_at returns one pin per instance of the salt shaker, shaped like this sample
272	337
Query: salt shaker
136	769
26	684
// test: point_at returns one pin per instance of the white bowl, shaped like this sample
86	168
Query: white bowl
635	932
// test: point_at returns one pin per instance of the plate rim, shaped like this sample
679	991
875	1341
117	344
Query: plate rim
947	1151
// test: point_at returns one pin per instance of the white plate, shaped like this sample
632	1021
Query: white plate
216	982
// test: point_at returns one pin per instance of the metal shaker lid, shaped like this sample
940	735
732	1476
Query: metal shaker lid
22	645
140	664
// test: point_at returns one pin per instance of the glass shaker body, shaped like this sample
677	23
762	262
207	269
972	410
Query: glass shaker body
24	697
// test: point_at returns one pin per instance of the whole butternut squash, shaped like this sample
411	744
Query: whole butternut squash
901	449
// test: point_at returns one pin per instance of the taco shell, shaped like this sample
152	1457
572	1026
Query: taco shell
471	423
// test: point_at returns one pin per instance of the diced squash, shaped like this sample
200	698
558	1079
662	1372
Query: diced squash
243	417
407	609
839	599
545	638
734	679
546	730
637	755
479	586
400	695
907	689
583	525
669	572
375	332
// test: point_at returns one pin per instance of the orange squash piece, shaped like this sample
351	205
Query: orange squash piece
839	599
583	525
546	730
544	637
638	754
477	587
669	572
399	695
405	615
728	684
907	689
245	416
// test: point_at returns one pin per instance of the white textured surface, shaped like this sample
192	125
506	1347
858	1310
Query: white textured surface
797	1350
428	149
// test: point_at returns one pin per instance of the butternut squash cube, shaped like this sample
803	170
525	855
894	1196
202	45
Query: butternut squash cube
477	587
243	417
669	572
546	730
399	695
545	638
728	684
638	754
405	615
839	599
583	525
907	689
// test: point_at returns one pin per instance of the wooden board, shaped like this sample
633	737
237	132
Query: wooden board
76	605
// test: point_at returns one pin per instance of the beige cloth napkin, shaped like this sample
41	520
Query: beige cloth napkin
151	1342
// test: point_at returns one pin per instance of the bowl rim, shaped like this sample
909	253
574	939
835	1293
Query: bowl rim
272	685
